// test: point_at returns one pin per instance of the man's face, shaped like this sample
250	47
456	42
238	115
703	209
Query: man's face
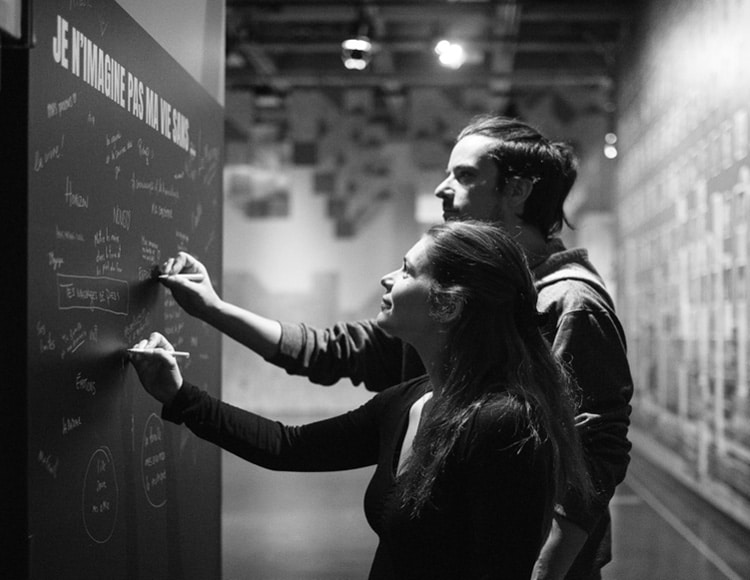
471	189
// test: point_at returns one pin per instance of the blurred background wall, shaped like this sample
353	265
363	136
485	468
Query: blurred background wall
682	211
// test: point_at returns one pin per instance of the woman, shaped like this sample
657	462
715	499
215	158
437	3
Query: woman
471	457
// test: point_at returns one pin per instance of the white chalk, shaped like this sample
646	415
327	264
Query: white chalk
191	277
177	353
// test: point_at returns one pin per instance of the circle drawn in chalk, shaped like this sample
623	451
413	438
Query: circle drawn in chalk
154	462
100	496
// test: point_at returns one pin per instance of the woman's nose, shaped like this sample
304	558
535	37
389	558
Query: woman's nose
387	281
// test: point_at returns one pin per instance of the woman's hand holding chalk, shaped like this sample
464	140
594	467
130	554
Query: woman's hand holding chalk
175	353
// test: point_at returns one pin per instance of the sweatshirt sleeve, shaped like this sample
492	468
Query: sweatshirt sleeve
590	342
359	351
347	441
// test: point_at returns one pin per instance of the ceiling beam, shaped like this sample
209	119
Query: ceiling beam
519	79
303	47
345	10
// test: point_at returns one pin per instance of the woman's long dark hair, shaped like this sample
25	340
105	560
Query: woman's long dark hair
496	355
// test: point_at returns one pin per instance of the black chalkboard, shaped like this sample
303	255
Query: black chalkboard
123	169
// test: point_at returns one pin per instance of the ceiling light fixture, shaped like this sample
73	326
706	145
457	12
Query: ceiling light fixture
450	54
356	52
610	145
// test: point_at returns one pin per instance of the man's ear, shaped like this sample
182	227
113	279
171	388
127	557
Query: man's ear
518	190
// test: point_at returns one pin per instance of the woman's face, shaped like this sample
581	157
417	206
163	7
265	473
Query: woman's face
405	307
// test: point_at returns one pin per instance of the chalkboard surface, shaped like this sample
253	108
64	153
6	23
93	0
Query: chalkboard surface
124	171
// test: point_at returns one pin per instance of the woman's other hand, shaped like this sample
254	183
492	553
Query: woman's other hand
157	367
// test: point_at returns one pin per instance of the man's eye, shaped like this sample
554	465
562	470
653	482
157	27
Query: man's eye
464	176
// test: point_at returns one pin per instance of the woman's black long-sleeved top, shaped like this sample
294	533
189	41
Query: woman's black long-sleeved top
489	508
583	330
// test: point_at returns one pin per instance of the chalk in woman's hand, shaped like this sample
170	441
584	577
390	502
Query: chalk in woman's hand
175	353
191	277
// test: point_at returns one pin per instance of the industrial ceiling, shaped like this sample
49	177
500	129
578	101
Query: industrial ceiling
511	46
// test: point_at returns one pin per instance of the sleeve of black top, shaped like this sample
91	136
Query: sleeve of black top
347	441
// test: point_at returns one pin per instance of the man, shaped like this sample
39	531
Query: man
503	171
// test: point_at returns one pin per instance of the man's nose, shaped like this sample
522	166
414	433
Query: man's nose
441	189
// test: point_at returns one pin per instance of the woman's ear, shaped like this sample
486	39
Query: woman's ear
452	310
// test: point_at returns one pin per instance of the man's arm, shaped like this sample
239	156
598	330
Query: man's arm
560	550
196	295
587	336
360	351
259	334
591	343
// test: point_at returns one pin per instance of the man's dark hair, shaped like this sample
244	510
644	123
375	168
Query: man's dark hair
522	151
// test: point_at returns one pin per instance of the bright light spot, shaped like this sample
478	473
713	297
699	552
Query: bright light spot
355	63
610	138
610	151
442	46
356	53
361	44
450	54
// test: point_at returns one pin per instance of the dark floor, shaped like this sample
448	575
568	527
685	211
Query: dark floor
663	531
286	526
294	526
